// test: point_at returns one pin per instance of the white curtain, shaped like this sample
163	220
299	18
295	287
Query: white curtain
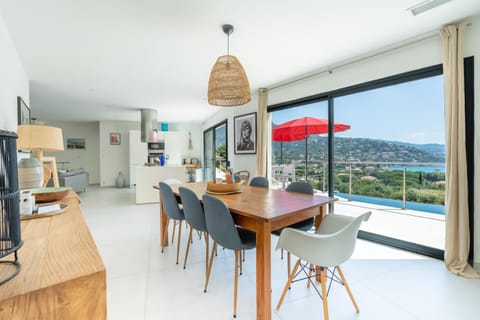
457	242
262	127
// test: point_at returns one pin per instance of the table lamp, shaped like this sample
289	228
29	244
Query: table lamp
38	139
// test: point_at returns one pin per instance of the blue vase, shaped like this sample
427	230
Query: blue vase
162	160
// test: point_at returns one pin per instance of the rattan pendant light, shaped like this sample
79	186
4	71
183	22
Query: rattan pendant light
228	85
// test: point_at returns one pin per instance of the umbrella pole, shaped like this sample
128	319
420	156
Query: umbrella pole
306	159
281	152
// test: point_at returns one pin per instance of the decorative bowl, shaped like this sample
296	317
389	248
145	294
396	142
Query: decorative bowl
224	187
49	194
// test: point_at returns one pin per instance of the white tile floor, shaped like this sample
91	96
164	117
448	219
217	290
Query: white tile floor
143	283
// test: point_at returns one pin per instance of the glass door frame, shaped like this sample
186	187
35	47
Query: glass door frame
212	164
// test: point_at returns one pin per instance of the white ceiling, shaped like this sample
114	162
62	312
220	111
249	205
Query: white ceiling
105	59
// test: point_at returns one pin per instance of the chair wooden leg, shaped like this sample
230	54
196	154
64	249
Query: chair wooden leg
287	285
207	251
173	231
235	284
210	264
179	235
323	278
340	273
188	248
168	220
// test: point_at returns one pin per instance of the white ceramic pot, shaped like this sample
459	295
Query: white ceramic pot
30	173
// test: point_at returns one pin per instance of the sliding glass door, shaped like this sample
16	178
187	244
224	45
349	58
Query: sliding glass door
383	151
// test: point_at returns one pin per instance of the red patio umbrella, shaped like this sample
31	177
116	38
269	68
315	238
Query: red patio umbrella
302	128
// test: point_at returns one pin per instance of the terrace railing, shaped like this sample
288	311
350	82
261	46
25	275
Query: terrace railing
317	172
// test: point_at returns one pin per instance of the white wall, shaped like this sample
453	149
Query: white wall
13	80
87	159
114	158
197	138
412	57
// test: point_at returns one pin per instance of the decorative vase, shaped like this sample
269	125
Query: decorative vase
120	181
30	173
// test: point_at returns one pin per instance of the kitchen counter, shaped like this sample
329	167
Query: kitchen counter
148	176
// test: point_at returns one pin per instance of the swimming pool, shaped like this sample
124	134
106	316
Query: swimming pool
425	207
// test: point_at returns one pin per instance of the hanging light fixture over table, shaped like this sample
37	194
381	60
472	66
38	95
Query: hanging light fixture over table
228	85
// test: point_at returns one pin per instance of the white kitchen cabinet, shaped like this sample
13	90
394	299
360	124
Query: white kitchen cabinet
137	154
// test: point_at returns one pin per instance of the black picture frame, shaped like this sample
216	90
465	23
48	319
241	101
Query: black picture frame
247	144
23	112
115	138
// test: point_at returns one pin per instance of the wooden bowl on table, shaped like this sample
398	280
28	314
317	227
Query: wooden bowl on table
224	188
49	194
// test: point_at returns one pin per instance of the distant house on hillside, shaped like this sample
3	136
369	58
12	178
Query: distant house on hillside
368	178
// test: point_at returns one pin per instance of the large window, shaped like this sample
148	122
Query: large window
384	152
215	151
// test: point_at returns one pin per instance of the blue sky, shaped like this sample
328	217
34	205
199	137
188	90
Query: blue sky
409	112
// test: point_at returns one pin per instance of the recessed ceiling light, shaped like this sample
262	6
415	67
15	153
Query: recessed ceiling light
426	5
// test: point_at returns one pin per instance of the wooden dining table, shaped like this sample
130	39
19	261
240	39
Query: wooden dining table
261	210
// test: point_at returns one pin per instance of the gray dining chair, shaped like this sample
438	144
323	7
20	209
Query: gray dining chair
259	182
172	209
331	245
224	232
195	216
305	225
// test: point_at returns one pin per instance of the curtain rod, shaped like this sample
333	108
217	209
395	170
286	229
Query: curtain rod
361	58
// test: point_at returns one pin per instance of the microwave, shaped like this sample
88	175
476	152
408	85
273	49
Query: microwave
158	146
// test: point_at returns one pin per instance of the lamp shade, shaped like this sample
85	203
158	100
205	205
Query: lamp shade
228	85
41	138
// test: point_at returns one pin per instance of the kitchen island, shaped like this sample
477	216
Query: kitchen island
148	176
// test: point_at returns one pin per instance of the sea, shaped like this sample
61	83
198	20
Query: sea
428	169
425	207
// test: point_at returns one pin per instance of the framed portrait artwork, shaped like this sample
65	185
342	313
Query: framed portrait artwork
23	112
115	138
245	128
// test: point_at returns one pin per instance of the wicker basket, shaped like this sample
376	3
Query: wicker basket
224	187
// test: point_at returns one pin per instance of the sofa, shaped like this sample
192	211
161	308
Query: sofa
77	179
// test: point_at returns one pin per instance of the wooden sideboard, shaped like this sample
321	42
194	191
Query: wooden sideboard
62	275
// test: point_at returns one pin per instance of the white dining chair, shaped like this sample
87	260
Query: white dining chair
331	245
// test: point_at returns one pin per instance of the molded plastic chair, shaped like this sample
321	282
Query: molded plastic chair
223	231
305	225
171	209
259	182
195	216
332	244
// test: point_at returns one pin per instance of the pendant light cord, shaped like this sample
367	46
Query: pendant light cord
228	44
